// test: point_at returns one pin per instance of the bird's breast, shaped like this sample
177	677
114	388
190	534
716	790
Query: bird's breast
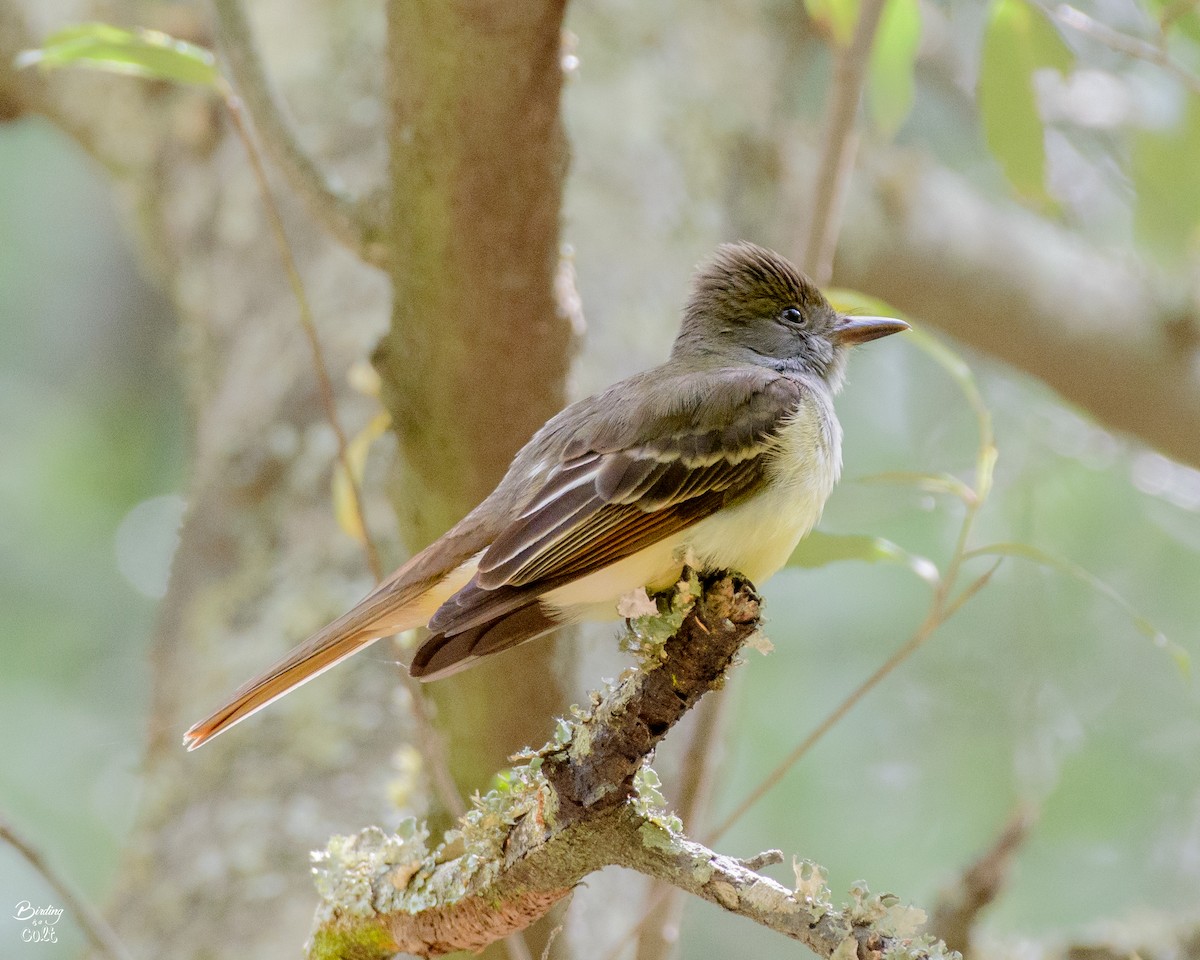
758	535
807	451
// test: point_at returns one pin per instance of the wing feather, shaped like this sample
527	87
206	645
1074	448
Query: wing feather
635	482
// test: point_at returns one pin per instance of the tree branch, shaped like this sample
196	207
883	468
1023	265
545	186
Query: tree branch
359	224
959	906
1135	47
102	937
839	145
1103	329
583	802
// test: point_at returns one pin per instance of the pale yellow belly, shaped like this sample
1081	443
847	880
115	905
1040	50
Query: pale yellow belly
754	538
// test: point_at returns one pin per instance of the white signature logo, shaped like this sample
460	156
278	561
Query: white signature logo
39	921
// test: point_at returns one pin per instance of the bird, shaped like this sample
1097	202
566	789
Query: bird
721	458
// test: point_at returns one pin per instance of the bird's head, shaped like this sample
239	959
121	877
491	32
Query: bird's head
751	305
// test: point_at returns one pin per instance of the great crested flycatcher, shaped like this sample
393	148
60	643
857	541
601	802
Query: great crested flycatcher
722	458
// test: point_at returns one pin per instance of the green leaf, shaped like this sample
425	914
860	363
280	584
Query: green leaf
140	53
1018	41
837	17
845	300
1050	50
1167	214
1043	558
820	549
891	89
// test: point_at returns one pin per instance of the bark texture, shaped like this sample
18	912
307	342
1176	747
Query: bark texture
477	353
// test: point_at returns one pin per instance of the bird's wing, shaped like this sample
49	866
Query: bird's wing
602	507
627	481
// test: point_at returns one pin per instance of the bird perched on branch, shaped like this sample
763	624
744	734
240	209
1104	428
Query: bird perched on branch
721	458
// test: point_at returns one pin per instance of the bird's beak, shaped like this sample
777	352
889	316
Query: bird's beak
852	330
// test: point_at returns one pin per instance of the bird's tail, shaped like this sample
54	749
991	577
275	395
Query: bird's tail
311	658
406	599
444	654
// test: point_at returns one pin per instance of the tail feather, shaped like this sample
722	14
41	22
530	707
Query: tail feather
445	653
406	599
298	667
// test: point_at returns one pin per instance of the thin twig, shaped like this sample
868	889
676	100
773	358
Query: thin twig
697	780
1135	47
839	145
937	616
234	105
923	632
94	926
942	607
700	761
958	908
550	941
346	218
431	746
659	898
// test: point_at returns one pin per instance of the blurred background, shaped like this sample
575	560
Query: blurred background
92	425
1043	693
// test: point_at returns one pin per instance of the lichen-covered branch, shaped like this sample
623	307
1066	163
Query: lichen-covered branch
595	769
1131	46
585	801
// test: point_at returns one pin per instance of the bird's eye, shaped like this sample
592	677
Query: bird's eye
793	316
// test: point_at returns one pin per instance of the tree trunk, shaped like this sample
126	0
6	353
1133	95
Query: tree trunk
475	360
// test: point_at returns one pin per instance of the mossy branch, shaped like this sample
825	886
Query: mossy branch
585	801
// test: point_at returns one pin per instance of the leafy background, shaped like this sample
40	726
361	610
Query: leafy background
1041	692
